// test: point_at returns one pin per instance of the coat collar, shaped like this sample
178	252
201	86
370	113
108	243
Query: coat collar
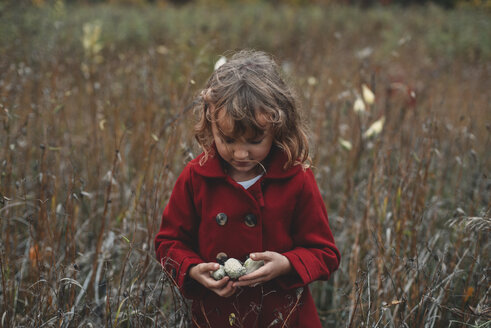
213	167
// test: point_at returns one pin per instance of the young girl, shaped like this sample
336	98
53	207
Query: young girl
249	194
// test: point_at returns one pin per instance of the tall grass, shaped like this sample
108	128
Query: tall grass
94	134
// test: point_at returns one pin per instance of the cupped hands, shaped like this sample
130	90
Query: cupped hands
202	274
275	265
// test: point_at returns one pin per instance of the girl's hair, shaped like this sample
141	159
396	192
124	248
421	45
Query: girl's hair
247	86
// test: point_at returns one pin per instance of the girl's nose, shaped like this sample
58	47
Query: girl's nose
241	154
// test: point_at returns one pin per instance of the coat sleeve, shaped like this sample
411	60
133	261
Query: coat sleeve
176	241
315	255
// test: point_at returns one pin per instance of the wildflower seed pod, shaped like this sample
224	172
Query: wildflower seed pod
251	265
219	274
234	268
368	95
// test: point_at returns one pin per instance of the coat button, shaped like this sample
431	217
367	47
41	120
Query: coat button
250	220
221	258
221	219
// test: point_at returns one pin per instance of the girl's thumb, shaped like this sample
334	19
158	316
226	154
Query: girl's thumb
267	255
257	256
211	266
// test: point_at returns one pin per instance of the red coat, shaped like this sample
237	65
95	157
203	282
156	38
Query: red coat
288	217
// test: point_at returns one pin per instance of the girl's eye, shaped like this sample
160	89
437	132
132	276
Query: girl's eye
228	140
256	142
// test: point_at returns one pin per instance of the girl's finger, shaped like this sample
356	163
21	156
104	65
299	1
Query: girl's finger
220	284
250	283
226	291
253	275
260	256
204	267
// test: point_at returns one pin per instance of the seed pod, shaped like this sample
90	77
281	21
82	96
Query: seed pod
250	265
219	273
234	268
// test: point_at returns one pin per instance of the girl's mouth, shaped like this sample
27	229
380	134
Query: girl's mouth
242	164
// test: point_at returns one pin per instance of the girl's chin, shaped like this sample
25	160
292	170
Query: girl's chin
248	170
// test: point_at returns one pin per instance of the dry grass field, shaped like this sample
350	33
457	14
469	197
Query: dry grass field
96	124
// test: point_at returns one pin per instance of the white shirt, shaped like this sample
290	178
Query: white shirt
246	184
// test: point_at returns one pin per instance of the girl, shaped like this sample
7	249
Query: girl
250	193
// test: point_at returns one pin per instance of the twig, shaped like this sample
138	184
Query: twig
5	290
299	292
104	214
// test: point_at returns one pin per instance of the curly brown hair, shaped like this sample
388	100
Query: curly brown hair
248	85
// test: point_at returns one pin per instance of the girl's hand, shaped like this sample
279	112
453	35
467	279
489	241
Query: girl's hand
275	265
201	273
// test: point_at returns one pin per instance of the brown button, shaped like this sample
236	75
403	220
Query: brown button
221	258
221	219
250	220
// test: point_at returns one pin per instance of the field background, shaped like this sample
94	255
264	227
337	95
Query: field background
95	126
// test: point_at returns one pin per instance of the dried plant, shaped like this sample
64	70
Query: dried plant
95	126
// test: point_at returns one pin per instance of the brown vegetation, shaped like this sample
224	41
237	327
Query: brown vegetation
96	126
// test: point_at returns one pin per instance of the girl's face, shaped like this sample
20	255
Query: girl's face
242	154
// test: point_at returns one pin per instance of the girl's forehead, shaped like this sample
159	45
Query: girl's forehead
227	125
224	122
